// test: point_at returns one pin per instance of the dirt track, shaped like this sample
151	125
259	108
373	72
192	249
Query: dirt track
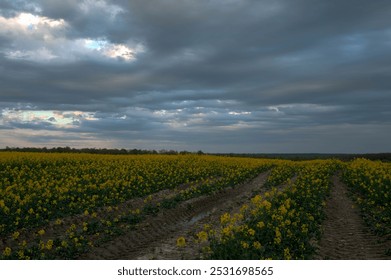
155	238
344	234
345	237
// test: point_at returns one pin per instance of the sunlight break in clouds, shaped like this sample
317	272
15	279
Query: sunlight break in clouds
29	25
113	50
33	21
56	118
42	39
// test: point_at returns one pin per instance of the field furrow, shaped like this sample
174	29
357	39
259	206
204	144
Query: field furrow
155	238
345	236
82	206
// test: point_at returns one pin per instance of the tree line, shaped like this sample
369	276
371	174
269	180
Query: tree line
109	151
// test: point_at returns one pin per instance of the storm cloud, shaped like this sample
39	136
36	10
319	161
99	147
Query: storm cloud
219	76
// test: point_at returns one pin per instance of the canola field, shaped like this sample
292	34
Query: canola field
60	206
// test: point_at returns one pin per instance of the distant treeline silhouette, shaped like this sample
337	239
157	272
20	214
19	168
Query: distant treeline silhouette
97	151
386	157
292	156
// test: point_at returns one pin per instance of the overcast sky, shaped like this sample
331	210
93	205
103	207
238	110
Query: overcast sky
267	76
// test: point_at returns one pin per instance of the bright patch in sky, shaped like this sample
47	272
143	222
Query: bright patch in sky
95	44
239	113
120	51
51	45
57	118
112	50
26	24
33	21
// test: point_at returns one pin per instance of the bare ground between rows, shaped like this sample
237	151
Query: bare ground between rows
154	238
54	230
166	249
345	236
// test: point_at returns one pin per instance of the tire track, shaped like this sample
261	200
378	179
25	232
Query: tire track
166	248
150	234
345	236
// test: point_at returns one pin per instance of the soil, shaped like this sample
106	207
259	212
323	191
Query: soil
155	237
345	236
54	230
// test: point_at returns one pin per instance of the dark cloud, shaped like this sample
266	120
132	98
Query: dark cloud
227	76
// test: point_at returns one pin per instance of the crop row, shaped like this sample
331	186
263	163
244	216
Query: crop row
277	224
370	184
46	189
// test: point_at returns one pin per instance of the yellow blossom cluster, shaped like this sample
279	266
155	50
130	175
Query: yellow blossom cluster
282	173
39	191
370	183
277	224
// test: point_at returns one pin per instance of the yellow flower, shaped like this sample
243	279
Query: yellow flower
260	224
287	254
266	204
256	199
244	244
277	239
15	235
64	244
237	217
21	254
41	232
243	208
226	230
23	243
49	244
257	245
225	218
282	209
58	222
287	203
7	251
251	232
181	242
202	236
207	226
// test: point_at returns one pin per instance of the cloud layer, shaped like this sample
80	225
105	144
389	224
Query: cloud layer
220	76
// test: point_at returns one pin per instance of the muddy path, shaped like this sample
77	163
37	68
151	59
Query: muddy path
167	249
155	237
57	228
345	236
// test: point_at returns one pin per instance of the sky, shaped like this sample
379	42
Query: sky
221	76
